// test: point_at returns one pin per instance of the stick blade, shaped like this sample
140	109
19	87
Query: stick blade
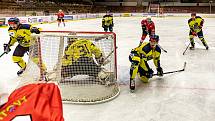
185	63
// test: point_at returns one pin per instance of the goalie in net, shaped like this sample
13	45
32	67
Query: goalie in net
83	64
79	58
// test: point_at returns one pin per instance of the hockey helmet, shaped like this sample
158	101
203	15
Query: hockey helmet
193	14
154	38
71	39
13	21
60	10
108	11
149	18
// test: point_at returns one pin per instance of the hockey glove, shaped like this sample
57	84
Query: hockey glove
7	48
35	30
159	71
149	74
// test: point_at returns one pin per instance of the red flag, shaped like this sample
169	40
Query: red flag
33	102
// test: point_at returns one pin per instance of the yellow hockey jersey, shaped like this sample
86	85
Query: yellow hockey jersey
196	24
107	20
22	35
146	53
80	48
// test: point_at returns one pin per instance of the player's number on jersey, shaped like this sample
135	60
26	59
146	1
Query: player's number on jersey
22	118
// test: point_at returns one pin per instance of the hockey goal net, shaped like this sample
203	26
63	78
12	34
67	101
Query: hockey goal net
82	63
156	9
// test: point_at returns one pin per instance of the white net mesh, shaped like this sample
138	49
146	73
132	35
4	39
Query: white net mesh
83	63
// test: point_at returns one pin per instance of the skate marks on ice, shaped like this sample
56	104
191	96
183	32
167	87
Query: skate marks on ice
168	81
124	77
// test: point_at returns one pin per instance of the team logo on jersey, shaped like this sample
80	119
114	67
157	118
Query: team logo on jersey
11	34
12	107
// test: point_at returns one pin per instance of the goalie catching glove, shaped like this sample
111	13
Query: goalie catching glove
7	48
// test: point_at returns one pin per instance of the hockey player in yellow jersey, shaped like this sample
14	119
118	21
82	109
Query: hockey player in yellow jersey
20	33
78	58
139	57
107	22
195	24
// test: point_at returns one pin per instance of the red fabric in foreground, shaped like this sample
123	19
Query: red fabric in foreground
34	102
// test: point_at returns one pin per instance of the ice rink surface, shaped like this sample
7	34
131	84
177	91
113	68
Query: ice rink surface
184	96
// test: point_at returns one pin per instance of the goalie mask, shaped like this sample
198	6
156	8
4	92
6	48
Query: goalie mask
70	40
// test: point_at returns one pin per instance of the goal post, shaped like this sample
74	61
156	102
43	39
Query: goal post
156	9
84	64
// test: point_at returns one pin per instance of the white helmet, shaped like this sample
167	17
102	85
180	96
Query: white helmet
149	18
60	10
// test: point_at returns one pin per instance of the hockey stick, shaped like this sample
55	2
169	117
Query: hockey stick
162	48
186	48
2	54
174	71
109	55
132	82
105	61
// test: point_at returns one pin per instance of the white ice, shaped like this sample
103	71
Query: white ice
183	96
